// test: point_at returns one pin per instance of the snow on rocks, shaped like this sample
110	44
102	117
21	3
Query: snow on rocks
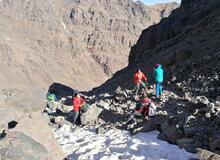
84	143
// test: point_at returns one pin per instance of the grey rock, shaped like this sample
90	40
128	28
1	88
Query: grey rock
184	142
170	134
2	128
189	131
18	146
208	115
190	119
103	105
101	130
207	155
217	119
164	125
120	95
91	114
202	99
214	144
59	119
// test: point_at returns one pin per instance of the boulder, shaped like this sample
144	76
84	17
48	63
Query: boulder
150	125
18	146
207	155
59	119
189	131
103	104
190	120
184	142
214	144
101	130
120	95
217	119
170	134
2	128
202	100
91	114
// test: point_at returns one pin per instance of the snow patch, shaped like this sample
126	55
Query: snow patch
83	143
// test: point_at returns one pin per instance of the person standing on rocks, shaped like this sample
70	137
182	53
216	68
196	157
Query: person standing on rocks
158	73
78	101
139	79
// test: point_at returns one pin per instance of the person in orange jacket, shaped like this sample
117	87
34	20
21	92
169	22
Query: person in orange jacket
78	101
139	79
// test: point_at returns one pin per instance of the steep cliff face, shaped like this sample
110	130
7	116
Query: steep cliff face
191	28
187	45
79	43
184	42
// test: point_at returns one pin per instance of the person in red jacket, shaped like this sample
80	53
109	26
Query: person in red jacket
139	79
78	101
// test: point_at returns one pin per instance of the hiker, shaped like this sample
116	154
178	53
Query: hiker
78	102
139	79
158	73
141	109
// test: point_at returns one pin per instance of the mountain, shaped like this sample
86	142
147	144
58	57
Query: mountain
187	45
80	43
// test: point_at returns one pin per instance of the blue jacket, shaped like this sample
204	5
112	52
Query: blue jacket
158	73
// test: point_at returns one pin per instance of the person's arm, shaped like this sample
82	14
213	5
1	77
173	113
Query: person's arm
82	102
144	77
134	77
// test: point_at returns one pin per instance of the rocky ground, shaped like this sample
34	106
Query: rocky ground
190	123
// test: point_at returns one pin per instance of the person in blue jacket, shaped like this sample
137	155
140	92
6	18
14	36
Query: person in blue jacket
158	73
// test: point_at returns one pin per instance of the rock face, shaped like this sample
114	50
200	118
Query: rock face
17	145
68	41
91	114
186	44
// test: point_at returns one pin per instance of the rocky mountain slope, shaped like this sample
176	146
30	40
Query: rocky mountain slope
187	44
79	43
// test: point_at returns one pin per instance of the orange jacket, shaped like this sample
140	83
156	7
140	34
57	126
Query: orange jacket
138	77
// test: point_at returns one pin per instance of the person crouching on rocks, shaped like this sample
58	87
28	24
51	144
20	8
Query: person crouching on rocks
139	79
78	102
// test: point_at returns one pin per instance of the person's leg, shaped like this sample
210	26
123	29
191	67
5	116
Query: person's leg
157	89
76	116
161	89
137	89
143	85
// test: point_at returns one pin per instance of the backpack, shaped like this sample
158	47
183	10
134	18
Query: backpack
152	110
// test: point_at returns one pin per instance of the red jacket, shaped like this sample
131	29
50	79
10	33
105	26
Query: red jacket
138	77
145	106
77	102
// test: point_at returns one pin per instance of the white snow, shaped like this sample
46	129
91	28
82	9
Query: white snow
81	143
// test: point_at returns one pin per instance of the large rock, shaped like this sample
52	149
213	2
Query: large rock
214	144
189	131
18	146
120	94
170	134
91	114
35	126
202	100
184	142
207	155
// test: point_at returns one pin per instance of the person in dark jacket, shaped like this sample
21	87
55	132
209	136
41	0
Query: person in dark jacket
158	73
